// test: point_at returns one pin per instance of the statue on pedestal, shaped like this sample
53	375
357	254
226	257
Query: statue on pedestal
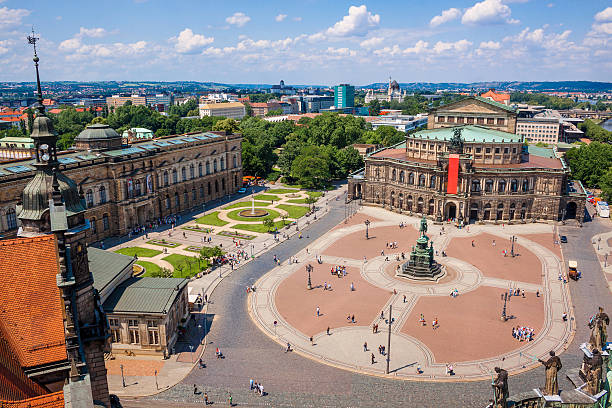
599	332
553	365
500	385
592	366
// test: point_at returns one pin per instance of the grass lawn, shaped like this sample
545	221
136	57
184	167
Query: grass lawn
259	227
234	216
315	194
267	197
177	261
242	204
211	219
150	267
294	211
282	191
138	251
297	201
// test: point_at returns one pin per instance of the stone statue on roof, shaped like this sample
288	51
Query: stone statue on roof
456	142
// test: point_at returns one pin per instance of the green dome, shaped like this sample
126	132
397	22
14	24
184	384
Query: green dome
99	131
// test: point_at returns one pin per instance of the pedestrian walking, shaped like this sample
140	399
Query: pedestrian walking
365	346
373	361
404	298
195	389
205	398
328	330
318	311
230	400
251	384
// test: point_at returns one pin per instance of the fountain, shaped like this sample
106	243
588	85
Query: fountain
253	213
421	265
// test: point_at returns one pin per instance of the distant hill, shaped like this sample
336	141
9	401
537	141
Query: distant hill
558	86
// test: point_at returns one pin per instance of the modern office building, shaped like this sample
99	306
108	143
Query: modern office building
403	123
344	96
232	110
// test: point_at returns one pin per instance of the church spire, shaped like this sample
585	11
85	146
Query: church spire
32	39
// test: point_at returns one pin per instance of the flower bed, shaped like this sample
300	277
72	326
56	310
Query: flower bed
193	248
233	234
164	243
197	228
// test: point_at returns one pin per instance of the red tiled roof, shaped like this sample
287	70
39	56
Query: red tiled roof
54	400
31	314
14	384
497	97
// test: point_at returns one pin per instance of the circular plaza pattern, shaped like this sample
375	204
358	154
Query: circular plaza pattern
470	334
253	213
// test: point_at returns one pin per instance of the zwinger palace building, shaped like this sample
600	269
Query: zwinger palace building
127	186
470	165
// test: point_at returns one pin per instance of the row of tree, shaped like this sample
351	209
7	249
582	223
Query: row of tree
555	102
595	132
592	165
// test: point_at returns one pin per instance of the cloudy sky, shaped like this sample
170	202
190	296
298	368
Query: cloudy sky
310	41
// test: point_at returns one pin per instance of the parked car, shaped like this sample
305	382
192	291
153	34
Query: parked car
242	190
563	239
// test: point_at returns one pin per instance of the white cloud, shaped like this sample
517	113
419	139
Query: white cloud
280	17
604	15
419	48
238	19
490	45
357	23
342	52
92	32
372	42
12	17
488	12
70	44
457	46
189	43
445	17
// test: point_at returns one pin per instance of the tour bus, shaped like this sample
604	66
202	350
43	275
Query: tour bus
603	210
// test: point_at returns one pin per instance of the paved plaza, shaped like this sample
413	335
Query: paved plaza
471	334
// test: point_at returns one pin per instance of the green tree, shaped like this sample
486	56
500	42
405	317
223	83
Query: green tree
226	125
312	168
374	107
248	109
348	160
275	112
588	163
268	222
605	183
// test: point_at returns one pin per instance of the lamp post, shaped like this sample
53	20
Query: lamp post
513	240
191	349
389	342
122	377
252	245
598	242
308	269
367	224
156	385
503	316
605	260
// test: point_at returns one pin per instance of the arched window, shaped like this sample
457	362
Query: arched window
137	188
191	171
223	184
430	208
402	176
89	198
174	176
432	182
177	200
501	186
168	203
102	195
216	186
194	196
183	174
94	227
200	169
514	185
526	185
475	186
411	178
422	180
207	168
235	161
214	165
222	163
209	189
393	174
202	192
186	198
488	186
165	178
105	223
11	219
409	202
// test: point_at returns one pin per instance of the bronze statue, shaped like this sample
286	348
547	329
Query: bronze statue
553	365
500	385
599	332
593	371
456	142
423	228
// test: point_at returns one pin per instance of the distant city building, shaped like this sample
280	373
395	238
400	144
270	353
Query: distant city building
489	114
365	148
12	148
344	96
358	111
136	135
160	102
282	89
538	129
403	123
496	97
232	110
261	109
116	101
394	93
219	97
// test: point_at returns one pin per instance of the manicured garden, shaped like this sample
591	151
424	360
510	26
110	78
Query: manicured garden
197	228
242	204
293	211
235	234
164	243
315	194
212	219
282	191
151	269
184	266
267	197
260	227
138	251
234	216
297	201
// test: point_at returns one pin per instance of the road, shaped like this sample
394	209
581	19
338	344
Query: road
294	381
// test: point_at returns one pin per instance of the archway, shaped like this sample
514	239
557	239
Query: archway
450	212
487	212
430	208
500	211
512	211
570	210
474	212
420	205
392	199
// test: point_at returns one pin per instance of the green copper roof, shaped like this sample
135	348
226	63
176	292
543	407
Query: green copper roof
106	266
493	103
144	295
470	134
541	151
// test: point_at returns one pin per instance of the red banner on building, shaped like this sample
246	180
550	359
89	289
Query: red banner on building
453	174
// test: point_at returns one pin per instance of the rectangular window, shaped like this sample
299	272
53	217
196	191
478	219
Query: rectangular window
133	323
451	119
441	118
506	150
470	120
152	323
134	336
488	150
480	121
500	121
116	335
113	322
153	337
478	149
490	121
497	150
460	119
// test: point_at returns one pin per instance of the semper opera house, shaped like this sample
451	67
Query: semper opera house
125	186
469	165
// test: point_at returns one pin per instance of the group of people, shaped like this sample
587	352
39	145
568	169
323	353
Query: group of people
257	387
391	245
454	293
522	333
338	270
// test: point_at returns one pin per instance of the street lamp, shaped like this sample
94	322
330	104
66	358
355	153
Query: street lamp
252	245
598	242
122	377
367	224
503	317
605	260
308	269
156	385
191	349
513	240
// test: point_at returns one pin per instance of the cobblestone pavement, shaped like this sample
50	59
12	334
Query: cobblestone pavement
294	381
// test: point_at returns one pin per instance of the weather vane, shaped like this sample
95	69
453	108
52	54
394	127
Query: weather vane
32	39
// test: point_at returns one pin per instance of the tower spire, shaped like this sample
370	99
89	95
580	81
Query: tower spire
33	39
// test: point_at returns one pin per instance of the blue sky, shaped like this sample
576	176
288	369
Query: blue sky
310	41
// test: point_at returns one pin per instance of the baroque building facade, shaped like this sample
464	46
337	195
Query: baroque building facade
469	165
129	186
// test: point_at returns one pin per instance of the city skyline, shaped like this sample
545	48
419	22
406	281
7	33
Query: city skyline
311	43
